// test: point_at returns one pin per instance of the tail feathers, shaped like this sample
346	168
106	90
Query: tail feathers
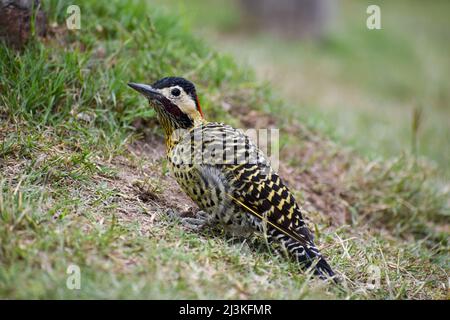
324	271
305	253
310	256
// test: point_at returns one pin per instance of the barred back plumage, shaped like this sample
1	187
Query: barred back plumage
228	176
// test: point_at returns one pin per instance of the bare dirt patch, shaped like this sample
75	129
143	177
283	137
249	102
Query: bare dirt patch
143	187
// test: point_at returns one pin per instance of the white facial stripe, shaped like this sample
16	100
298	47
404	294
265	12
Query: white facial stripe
183	101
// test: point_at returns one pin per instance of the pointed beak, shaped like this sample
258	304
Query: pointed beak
146	90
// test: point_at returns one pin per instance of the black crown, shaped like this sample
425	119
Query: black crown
168	82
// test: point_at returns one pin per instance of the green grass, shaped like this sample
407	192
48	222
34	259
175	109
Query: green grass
68	178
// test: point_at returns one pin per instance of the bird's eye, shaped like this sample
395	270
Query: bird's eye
176	92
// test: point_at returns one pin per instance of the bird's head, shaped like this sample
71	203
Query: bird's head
175	101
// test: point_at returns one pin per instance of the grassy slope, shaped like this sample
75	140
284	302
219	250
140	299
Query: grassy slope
66	140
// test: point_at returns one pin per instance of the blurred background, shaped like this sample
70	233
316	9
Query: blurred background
382	92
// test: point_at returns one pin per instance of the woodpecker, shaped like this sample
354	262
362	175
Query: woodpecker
227	176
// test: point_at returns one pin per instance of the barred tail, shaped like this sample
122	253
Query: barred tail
323	269
311	256
306	255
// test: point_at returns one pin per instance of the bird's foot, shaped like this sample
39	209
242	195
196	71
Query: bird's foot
197	223
192	221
